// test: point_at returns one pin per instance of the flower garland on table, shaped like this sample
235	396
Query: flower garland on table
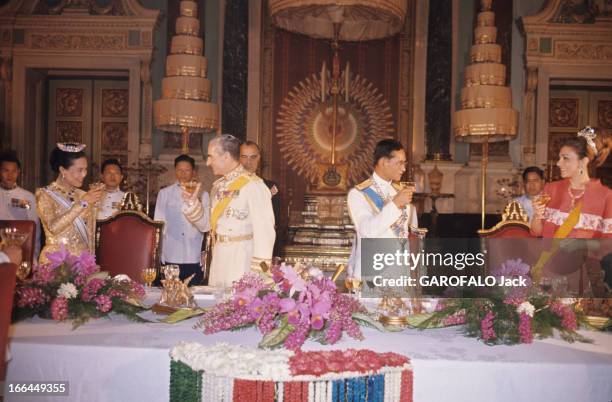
288	308
73	287
510	316
236	372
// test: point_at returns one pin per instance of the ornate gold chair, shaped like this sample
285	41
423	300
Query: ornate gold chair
28	227
509	239
129	241
514	224
7	290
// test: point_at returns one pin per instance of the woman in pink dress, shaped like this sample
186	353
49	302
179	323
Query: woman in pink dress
580	207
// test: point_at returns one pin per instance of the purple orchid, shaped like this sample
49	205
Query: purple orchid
297	283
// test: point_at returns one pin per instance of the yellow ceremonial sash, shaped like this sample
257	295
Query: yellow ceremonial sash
224	202
561	233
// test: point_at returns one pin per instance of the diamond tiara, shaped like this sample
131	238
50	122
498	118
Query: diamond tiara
71	146
588	133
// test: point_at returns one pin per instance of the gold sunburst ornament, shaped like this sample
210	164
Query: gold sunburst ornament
304	128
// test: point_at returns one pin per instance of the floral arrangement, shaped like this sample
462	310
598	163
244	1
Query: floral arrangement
237	372
291	306
510	316
73	287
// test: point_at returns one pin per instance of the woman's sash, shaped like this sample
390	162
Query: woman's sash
79	223
561	233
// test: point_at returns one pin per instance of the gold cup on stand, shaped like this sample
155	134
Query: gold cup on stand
148	275
190	186
23	270
353	285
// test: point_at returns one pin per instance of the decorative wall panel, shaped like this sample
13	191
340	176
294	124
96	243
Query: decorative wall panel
564	113
69	131
69	102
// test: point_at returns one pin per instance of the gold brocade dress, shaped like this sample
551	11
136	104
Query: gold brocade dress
65	220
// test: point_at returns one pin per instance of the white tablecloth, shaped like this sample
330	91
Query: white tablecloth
117	360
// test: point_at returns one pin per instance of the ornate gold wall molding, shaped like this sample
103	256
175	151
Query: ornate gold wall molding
562	42
77	42
80	38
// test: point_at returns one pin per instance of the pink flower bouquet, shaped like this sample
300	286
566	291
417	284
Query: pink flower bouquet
73	288
287	309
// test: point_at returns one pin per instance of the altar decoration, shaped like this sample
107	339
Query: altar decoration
293	305
226	372
510	315
73	288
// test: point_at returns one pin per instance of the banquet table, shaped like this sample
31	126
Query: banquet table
118	360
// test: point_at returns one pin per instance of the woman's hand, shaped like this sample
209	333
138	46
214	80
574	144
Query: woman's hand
538	209
94	195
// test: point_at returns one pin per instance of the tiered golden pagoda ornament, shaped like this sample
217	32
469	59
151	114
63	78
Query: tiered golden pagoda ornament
487	114
327	232
185	105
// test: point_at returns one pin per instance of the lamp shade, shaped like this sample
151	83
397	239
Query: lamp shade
359	20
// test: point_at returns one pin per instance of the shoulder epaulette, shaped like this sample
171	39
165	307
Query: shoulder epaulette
364	184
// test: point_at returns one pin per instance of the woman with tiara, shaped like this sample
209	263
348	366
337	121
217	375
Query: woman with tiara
67	212
577	206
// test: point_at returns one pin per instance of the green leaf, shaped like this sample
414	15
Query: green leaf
277	336
368	321
182	314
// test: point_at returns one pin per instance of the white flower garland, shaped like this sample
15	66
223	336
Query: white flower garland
236	361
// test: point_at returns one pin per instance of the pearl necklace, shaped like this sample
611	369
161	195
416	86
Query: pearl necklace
574	197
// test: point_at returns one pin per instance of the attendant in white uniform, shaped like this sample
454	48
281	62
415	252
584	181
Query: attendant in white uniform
112	176
187	219
16	203
378	206
533	183
242	218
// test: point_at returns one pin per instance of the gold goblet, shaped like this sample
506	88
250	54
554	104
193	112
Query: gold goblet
148	276
23	270
542	199
408	184
190	186
353	285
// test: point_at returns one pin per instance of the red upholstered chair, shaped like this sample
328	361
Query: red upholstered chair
7	290
28	227
128	242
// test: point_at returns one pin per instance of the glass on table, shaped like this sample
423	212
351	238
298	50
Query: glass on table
148	276
23	270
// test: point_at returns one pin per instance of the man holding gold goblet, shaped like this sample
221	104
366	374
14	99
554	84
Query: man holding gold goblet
186	213
380	207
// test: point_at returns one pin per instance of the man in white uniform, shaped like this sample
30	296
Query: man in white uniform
112	176
242	219
533	183
378	206
16	203
187	219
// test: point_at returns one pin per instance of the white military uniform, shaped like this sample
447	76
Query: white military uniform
244	230
185	225
372	222
110	204
19	204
